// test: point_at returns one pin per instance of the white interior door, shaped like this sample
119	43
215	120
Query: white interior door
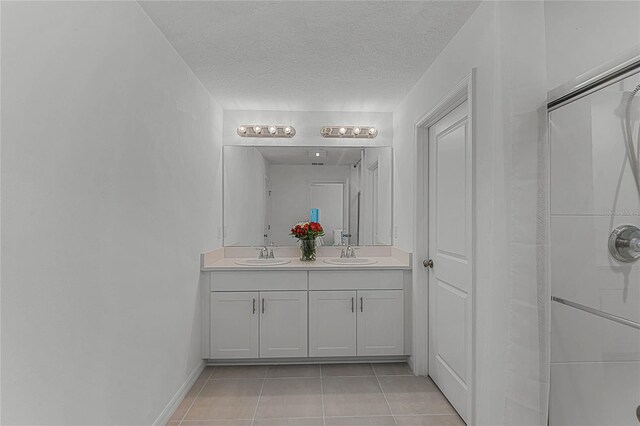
234	324
283	324
329	199
332	323
450	249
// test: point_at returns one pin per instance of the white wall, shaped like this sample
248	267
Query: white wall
110	191
308	125
473	46
508	385
581	35
290	196
245	197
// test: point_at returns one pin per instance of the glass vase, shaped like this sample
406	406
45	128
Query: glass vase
307	250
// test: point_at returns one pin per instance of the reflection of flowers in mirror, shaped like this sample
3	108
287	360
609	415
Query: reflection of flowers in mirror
307	230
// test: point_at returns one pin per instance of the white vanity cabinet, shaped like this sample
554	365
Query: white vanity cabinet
366	320
258	314
283	324
300	314
332	323
234	324
350	323
380	322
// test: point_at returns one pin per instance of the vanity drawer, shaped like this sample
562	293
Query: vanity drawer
356	280
258	280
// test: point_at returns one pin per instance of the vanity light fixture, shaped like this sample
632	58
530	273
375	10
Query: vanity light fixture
265	131
360	132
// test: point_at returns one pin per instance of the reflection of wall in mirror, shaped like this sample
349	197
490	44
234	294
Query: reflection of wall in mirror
290	197
355	210
245	197
375	226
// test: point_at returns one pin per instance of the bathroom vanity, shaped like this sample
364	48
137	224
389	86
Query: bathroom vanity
307	311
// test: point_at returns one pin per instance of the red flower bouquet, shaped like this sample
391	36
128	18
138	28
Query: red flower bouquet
306	233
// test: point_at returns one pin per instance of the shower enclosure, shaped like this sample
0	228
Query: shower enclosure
594	251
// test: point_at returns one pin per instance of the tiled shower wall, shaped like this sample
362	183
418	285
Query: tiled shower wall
595	362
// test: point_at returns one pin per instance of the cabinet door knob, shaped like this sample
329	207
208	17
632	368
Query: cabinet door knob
263	305
352	305
427	263
254	306
361	305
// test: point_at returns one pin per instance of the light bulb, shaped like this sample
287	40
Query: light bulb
257	129
287	130
273	130
317	154
242	130
342	131
356	130
373	131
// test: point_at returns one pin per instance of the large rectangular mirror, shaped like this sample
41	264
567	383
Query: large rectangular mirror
267	190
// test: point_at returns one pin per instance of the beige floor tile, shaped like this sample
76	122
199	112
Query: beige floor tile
239	372
182	408
289	422
171	423
226	399
353	396
206	373
414	395
392	369
448	420
216	423
360	421
290	371
286	398
344	370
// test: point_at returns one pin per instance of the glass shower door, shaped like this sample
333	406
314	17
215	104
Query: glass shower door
595	308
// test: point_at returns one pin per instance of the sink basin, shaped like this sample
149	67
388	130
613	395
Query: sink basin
262	262
350	261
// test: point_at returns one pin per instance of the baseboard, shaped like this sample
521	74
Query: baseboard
410	362
166	414
308	360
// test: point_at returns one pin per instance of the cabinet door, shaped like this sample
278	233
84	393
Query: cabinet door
380	322
283	324
332	323
234	324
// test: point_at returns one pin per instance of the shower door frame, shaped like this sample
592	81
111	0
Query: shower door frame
605	75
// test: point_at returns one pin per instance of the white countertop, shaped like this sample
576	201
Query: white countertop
224	259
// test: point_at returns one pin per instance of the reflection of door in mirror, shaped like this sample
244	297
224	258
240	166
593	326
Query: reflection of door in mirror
329	199
267	210
371	200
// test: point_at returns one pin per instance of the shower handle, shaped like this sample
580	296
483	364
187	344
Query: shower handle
624	243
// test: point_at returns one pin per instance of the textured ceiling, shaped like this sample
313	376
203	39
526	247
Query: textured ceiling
309	55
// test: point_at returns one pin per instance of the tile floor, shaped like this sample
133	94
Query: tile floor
314	395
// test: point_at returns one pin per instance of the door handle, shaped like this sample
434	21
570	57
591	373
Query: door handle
427	263
352	305
361	304
263	305
254	306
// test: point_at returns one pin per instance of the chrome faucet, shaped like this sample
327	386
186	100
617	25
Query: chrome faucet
349	252
270	254
264	253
